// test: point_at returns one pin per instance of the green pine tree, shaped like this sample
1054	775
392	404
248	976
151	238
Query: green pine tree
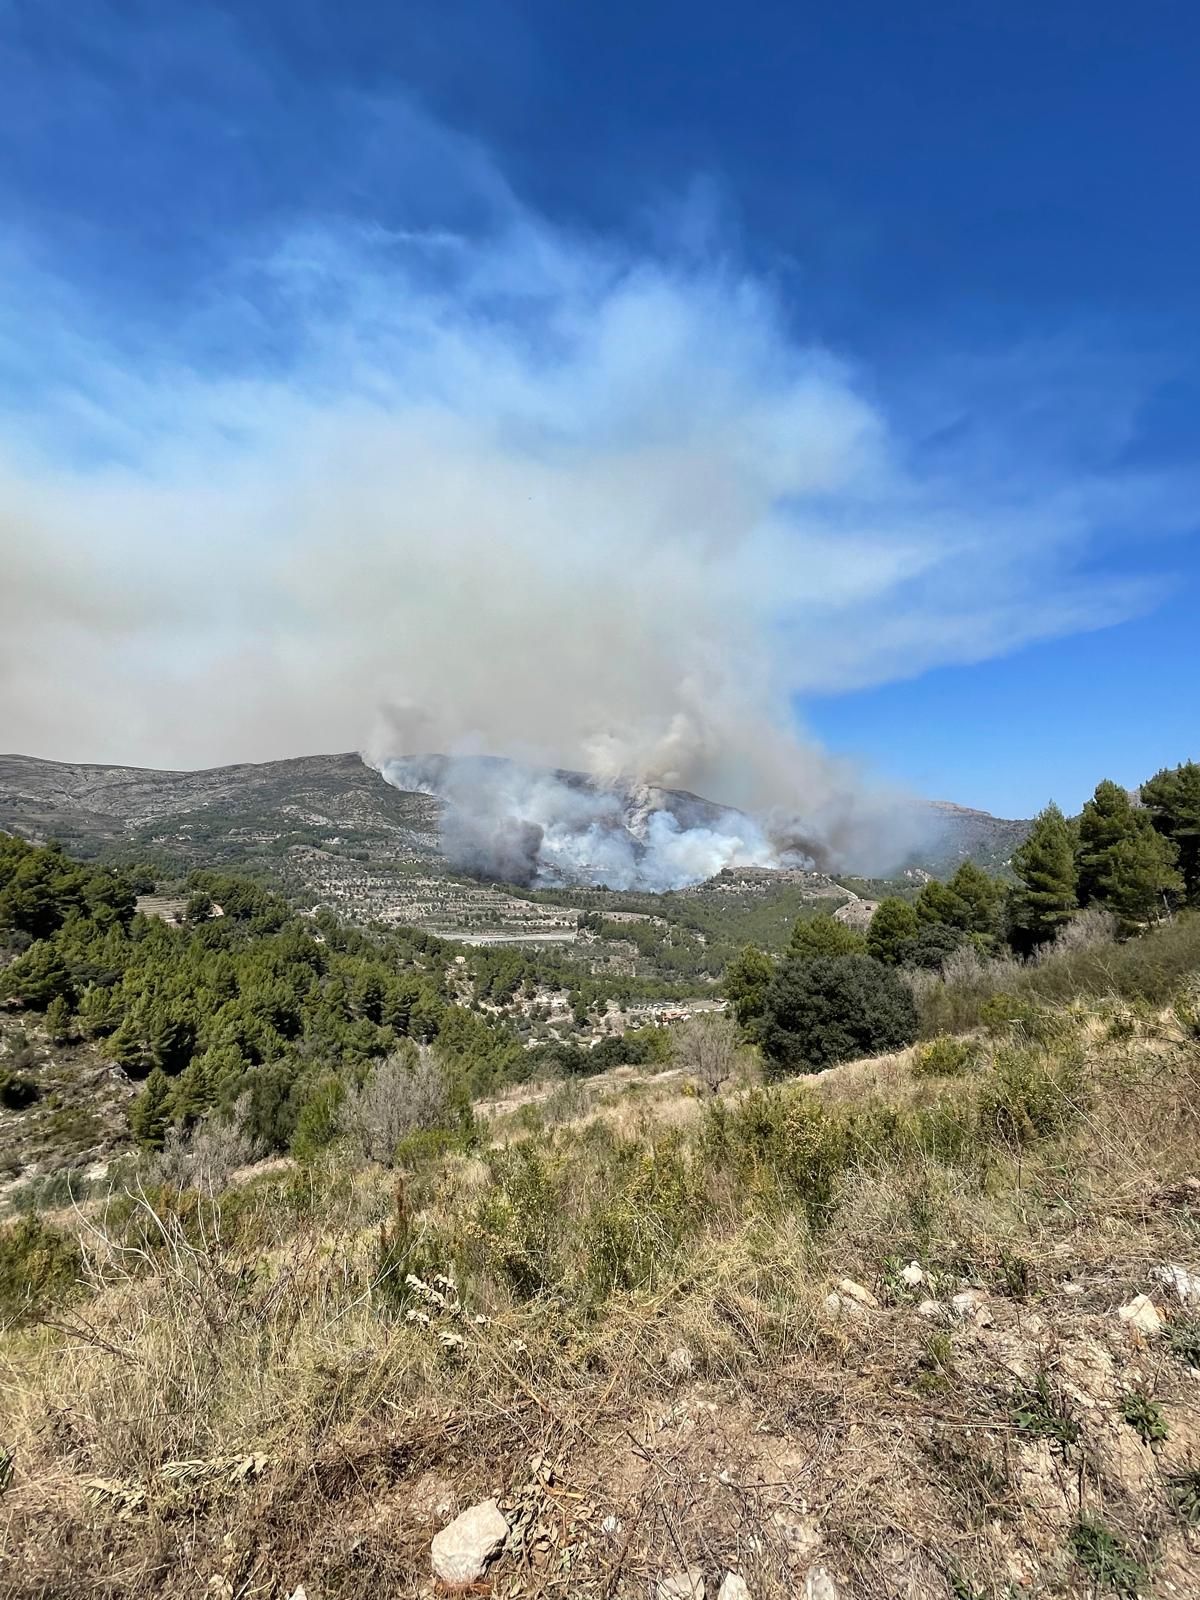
58	1019
813	937
1140	879
150	1113
1172	799
893	927
747	979
39	976
99	1011
1123	863
1045	864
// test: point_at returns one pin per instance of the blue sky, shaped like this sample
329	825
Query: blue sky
345	350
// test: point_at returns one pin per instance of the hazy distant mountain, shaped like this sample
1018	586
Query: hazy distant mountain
329	829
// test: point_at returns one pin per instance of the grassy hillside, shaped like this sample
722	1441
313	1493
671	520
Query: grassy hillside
664	1332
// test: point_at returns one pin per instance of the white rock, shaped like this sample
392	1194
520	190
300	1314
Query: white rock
461	1552
611	1526
971	1305
679	1363
849	1290
1071	1288
839	1306
913	1275
733	1588
687	1585
299	1593
1142	1314
931	1308
1185	1284
819	1585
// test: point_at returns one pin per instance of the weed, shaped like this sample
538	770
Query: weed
1016	1275
979	1485
1105	1559
1040	1412
961	1588
935	1364
1183	1489
1144	1417
1183	1340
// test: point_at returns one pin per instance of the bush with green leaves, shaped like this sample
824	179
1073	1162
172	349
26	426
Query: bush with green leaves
832	1009
40	1270
946	1057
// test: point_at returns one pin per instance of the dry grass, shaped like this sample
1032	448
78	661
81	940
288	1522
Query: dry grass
301	1381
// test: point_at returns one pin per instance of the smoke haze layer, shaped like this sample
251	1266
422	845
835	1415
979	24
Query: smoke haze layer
506	490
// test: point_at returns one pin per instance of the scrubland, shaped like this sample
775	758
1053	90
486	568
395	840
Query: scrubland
669	1329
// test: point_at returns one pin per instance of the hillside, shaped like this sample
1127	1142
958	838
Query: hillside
921	1328
328	830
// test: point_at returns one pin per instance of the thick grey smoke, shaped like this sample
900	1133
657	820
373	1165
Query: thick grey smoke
517	824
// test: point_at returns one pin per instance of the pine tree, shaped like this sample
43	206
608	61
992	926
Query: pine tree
1172	799
99	1011
1141	875
747	979
58	1020
824	935
39	976
1045	864
1123	863
151	1111
893	927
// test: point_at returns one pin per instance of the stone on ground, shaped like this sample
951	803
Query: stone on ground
819	1585
462	1550
733	1588
687	1585
1141	1313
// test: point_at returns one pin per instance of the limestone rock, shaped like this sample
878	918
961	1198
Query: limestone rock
819	1585
839	1306
1141	1313
462	1550
934	1309
679	1363
849	1290
687	1585
913	1274
733	1588
971	1306
1184	1284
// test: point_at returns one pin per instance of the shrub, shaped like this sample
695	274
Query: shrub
39	1270
781	1145
707	1046
945	1057
16	1090
1030	1096
833	1009
404	1094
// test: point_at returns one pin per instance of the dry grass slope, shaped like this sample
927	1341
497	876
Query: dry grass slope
618	1323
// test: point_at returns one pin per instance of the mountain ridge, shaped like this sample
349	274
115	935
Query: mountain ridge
330	828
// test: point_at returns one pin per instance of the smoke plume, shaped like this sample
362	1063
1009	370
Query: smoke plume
514	493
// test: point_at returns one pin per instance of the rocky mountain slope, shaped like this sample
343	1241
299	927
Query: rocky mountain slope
328	829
